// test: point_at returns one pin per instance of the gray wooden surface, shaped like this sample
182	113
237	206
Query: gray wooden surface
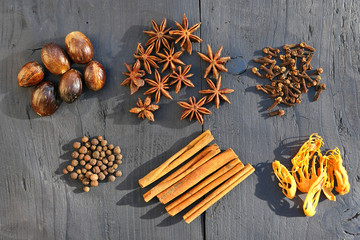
37	202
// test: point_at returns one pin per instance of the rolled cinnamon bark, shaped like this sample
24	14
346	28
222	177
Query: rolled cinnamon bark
204	187
218	193
196	176
192	165
178	158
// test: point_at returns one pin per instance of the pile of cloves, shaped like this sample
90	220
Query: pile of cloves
290	77
93	161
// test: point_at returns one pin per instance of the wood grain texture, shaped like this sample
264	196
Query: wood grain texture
37	202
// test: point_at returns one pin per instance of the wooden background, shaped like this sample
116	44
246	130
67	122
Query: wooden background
37	202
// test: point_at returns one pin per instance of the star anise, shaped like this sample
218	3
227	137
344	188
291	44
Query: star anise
170	58
145	56
145	109
134	77
182	77
216	63
159	35
194	108
159	86
216	92
184	33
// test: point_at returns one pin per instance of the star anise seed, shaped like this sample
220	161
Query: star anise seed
145	56
170	58
216	63
145	109
216	92
184	33
134	77
159	86
159	36
182	77
194	108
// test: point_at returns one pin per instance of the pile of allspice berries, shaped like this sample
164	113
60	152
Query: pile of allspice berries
94	161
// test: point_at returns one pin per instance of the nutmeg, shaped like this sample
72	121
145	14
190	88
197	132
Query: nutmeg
30	74
45	99
94	75
54	59
70	86
79	47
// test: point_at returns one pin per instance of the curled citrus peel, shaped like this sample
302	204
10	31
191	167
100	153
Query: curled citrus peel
312	173
287	181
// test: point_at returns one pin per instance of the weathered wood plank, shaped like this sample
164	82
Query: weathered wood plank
257	209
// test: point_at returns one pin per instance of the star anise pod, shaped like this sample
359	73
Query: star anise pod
134	77
194	108
216	92
145	56
159	86
184	33
145	109
216	63
159	36
181	77
170	58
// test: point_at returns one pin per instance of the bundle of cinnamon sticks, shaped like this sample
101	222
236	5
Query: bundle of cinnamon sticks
210	170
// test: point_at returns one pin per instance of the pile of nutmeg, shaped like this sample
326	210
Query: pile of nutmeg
46	97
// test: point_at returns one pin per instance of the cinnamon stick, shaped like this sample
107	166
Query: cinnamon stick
196	176
178	158
197	161
204	187
218	193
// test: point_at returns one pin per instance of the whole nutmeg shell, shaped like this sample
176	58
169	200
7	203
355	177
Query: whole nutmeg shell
79	47
94	75
55	59
70	86
30	74
45	99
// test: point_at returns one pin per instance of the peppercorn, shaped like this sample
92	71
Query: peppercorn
102	154
93	147
88	166
94	141
88	174
87	157
94	177
70	168
74	175
105	148
65	171
84	139
103	167
111	147
83	150
87	145
76	145
111	178
86	189
103	142
115	166
100	138
74	162
93	162
111	170
81	156
99	148
118	173
94	183
74	154
101	176
111	158
85	181
117	150
119	157
110	164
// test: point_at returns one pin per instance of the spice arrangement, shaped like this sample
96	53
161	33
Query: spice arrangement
209	170
47	97
161	49
313	173
291	74
93	161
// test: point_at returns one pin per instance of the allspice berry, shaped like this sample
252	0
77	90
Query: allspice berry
88	174
94	183
117	150
82	163
84	139
101	176
81	156
111	170
111	178
96	155
74	162
111	147
76	145
94	177
75	154
65	171
87	157
86	189
118	173
83	150
94	141
119	157
70	168
100	138
74	175
85	181
93	162
111	158
103	143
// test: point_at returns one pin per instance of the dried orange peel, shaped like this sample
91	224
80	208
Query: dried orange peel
312	173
